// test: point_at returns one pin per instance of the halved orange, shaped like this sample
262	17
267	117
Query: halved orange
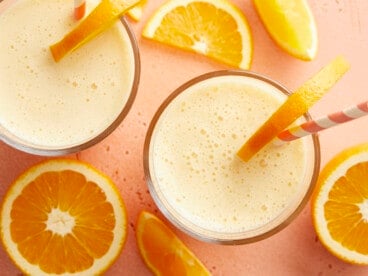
214	28
163	252
295	106
100	18
340	205
63	217
291	25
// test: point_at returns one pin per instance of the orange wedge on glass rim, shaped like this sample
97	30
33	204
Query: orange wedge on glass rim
295	106
291	25
100	18
340	205
64	217
213	28
162	251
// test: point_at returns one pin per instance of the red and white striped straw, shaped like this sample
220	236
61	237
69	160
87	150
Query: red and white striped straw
79	9
330	120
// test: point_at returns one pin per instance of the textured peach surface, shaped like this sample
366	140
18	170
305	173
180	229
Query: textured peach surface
343	29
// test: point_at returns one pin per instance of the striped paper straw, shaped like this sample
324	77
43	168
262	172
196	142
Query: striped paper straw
330	120
79	9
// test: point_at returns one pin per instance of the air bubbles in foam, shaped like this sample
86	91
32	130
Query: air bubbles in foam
263	163
94	86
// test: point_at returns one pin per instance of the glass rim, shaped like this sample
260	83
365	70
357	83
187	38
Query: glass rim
233	238
25	146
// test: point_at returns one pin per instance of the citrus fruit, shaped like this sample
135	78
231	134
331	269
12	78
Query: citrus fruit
340	205
214	28
163	252
100	18
136	12
295	106
291	25
63	217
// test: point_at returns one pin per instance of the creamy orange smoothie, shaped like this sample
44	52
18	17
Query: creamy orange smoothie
56	108
195	176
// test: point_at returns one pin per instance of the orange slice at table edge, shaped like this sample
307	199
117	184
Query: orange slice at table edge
136	12
291	25
100	18
214	28
340	205
163	252
64	217
295	106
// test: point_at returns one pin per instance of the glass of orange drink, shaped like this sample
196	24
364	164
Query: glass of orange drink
195	176
51	108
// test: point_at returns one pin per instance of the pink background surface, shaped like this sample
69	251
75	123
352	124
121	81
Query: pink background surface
342	29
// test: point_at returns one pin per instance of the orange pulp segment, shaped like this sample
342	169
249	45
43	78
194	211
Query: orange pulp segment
63	217
340	205
291	25
100	18
214	28
295	106
163	252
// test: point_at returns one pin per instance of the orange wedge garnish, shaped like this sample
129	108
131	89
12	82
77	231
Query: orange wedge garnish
163	252
103	16
295	106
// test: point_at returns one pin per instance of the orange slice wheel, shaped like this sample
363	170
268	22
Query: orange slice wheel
340	205
63	217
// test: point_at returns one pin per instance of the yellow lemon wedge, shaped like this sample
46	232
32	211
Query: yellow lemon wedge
295	106
100	18
63	217
214	28
163	252
340	205
291	25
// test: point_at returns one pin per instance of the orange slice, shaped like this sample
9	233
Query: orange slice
291	25
100	18
137	11
63	217
214	28
340	205
295	106
163	252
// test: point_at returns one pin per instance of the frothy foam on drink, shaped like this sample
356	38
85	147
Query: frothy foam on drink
193	156
66	103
